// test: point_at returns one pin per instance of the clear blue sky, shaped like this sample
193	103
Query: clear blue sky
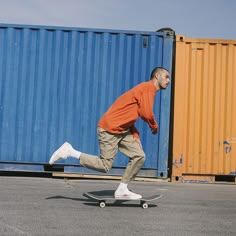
192	18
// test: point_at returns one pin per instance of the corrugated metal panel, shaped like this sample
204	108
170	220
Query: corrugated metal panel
204	107
55	84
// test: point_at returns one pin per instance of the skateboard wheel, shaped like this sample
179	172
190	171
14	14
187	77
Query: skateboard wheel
144	205
102	204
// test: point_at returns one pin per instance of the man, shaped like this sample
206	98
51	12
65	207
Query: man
116	131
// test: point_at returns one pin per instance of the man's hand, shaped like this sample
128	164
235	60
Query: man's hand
155	131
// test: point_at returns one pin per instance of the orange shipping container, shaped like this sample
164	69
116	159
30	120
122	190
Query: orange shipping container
204	141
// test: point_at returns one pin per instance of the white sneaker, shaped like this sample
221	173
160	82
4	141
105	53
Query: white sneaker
126	194
62	153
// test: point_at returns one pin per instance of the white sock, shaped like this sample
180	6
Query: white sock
74	153
122	187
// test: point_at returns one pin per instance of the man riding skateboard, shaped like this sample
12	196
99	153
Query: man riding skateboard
116	132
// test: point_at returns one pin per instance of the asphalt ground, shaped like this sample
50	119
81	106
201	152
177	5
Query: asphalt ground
47	206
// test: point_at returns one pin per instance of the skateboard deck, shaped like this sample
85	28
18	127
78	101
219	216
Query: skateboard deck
108	196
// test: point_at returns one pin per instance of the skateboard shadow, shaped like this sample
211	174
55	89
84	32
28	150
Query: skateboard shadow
67	198
103	193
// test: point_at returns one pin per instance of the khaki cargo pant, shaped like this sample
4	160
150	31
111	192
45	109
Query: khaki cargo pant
109	146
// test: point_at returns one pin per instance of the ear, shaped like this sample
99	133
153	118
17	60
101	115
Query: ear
158	76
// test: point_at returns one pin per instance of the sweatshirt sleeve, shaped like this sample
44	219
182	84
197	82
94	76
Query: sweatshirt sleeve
146	103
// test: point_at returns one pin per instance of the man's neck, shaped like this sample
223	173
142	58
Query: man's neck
156	84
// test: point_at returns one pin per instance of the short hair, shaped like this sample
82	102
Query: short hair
158	70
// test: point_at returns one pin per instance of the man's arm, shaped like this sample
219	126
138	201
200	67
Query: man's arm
146	110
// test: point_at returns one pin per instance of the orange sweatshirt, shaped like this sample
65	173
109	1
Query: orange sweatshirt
135	103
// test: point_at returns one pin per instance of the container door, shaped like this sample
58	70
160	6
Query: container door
204	131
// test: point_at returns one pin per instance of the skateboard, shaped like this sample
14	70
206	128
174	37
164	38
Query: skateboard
104	196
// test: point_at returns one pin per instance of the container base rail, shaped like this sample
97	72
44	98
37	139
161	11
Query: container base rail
26	169
196	178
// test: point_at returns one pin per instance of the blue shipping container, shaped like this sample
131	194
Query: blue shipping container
56	82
